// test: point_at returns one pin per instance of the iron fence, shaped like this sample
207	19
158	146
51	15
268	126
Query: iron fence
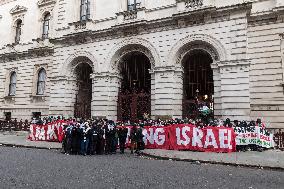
14	125
278	137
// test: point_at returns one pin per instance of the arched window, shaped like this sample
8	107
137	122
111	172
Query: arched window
18	31
85	10
133	4
46	23
41	82
12	85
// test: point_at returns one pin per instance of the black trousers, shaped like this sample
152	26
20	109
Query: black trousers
122	144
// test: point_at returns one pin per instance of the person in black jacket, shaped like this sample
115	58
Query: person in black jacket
93	145
101	140
122	135
75	142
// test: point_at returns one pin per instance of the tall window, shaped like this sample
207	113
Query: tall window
41	82
85	10
133	4
12	85
45	30
18	31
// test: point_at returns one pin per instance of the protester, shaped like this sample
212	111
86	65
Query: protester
102	136
122	135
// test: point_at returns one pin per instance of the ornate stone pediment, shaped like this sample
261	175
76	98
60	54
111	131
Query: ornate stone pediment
18	9
41	3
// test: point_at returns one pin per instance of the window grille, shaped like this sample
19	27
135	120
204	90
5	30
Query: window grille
12	85
85	10
133	5
41	82
18	31
46	22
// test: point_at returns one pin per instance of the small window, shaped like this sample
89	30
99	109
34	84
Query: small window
8	116
36	115
133	4
18	31
41	82
46	22
12	85
85	10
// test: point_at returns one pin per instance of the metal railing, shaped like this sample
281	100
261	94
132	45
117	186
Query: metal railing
278	137
14	125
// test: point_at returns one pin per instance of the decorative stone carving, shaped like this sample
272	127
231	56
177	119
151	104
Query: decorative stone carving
31	53
41	3
18	9
197	41
130	45
193	3
130	15
18	12
80	25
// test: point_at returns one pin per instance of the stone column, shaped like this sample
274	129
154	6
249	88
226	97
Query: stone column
217	90
62	96
232	95
167	100
105	93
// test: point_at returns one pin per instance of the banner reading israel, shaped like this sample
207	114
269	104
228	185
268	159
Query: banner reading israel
254	135
189	137
209	139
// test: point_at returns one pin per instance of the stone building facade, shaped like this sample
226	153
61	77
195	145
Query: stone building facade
44	42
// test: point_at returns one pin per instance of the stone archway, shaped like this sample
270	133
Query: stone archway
134	97
198	84
181	52
65	84
83	91
122	53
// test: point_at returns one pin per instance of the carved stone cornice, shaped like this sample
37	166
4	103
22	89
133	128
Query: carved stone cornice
136	27
18	9
273	16
42	3
232	63
31	53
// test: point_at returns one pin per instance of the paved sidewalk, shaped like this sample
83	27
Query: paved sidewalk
267	159
19	139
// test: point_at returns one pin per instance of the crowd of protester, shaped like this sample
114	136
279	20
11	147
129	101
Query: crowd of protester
102	136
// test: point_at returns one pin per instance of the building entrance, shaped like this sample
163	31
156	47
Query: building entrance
198	86
82	108
134	98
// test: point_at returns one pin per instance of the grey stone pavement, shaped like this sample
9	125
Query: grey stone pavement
266	159
20	139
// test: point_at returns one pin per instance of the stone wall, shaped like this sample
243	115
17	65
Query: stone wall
243	41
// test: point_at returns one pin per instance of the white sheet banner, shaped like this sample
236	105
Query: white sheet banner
254	135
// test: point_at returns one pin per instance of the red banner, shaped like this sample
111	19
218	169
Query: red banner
52	132
174	137
156	137
208	139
